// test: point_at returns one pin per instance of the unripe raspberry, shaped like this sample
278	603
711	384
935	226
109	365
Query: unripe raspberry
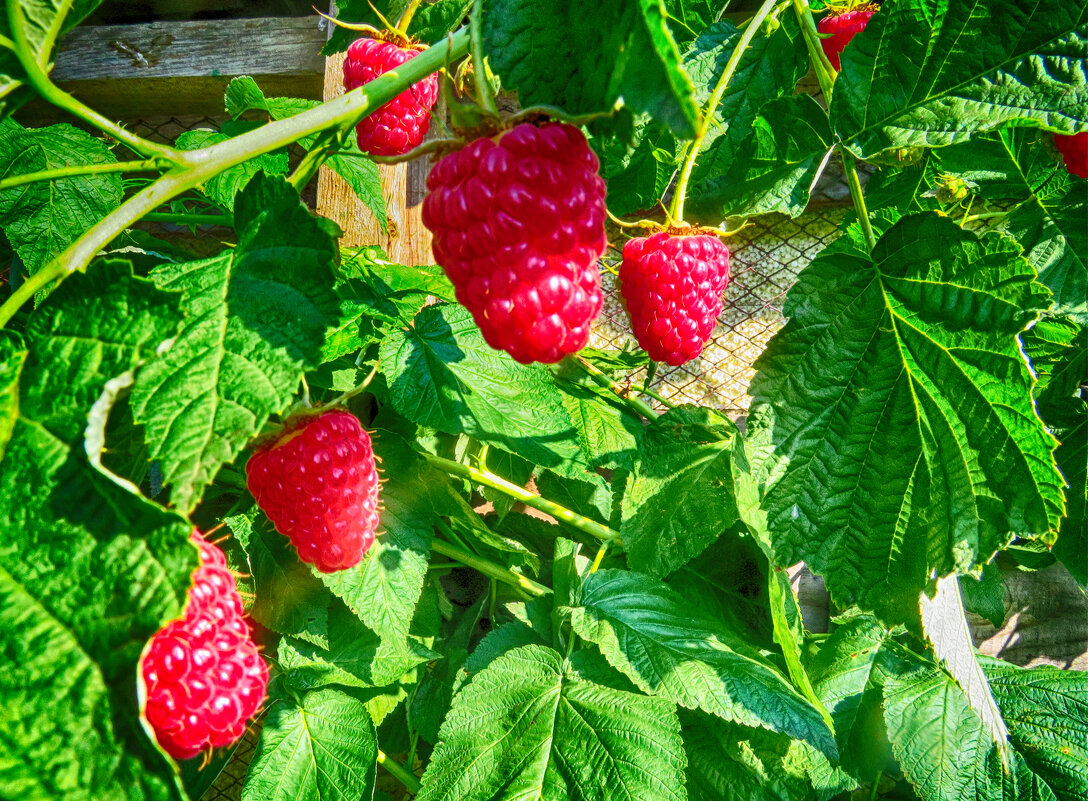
672	287
843	28
400	124
318	484
202	674
518	224
1074	150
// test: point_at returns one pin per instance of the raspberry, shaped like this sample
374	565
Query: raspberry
518	224
400	124
203	675
1074	150
672	287
842	28
318	484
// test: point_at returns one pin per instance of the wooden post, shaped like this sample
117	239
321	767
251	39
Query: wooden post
403	186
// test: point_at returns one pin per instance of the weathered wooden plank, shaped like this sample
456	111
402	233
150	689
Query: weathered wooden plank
182	68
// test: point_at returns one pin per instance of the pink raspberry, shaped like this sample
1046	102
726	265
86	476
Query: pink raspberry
202	674
843	28
518	224
672	287
1074	150
400	124
318	484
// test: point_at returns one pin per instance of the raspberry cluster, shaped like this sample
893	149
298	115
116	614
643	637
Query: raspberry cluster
1074	150
202	673
672	287
318	484
842	28
518	224
400	124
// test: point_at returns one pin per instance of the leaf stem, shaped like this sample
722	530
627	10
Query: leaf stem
530	499
400	773
645	390
638	405
313	159
54	31
189	218
599	557
489	568
876	785
485	95
853	180
75	170
676	208
406	18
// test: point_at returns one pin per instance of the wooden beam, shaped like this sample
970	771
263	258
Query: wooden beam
182	68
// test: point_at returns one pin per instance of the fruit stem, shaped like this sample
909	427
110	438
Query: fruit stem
147	165
530	499
490	569
313	159
400	773
189	219
638	405
676	209
484	93
646	390
432	146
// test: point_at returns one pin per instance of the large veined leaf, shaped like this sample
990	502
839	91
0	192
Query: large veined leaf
526	727
608	434
668	648
226	185
90	570
899	404
550	51
638	168
680	497
321	746
12	357
42	219
932	72
443	375
255	319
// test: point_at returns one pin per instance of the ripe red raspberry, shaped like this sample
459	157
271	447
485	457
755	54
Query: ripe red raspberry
318	484
672	287
400	124
518	224
842	28
202	674
1074	150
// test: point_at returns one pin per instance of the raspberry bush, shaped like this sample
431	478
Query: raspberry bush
461	554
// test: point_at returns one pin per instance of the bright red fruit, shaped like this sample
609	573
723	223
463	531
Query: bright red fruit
400	124
203	675
518	224
318	484
843	28
672	287
1074	150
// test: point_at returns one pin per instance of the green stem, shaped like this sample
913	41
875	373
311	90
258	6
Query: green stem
313	160
147	165
189	218
479	72
400	773
195	167
489	568
853	180
876	785
668	404
530	499
676	208
825	73
406	18
638	405
593	568
54	31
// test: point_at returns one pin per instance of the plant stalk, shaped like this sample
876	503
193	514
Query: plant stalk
400	773
479	72
530	499
489	568
876	785
637	405
147	165
853	180
676	208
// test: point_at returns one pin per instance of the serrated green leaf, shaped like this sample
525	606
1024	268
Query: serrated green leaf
681	496
255	320
971	66
668	648
899	404
223	188
78	549
43	218
608	434
985	595
12	357
525	728
322	746
637	172
561	53
443	375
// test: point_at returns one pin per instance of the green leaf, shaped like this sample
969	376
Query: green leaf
12	356
585	59
223	188
899	404
43	218
608	433
931	73
681	497
90	570
668	648
985	595
443	375
525	727
430	24
255	320
637	172
322	746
